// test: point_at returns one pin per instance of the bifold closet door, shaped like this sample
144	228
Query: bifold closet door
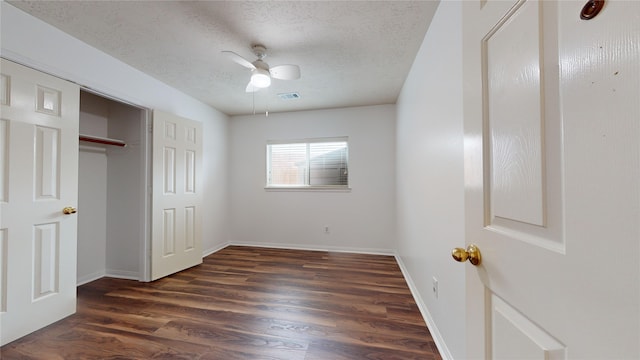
177	194
38	193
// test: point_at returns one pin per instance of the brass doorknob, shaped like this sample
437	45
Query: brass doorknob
69	210
471	252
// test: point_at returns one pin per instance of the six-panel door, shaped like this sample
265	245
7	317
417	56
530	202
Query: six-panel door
551	176
38	179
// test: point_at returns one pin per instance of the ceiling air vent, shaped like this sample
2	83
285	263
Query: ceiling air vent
289	96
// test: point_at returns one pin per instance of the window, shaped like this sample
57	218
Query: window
310	163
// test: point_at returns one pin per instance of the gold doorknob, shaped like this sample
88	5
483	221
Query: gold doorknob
471	252
69	210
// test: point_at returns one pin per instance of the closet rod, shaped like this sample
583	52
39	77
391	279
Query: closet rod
102	140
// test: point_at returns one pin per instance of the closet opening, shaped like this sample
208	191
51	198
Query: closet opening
113	189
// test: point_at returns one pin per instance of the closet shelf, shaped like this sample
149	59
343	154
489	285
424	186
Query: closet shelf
102	140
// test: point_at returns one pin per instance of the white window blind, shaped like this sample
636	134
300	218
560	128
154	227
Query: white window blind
308	163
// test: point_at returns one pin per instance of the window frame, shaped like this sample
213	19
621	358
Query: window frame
305	187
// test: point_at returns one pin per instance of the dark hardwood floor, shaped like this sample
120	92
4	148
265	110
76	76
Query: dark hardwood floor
244	303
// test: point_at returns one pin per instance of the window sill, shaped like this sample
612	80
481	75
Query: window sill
309	188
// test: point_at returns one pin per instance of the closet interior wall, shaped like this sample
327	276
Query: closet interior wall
112	224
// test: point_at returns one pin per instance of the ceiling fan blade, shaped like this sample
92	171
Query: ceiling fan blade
250	88
285	72
239	59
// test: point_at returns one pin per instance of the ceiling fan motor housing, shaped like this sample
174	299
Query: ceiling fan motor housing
261	64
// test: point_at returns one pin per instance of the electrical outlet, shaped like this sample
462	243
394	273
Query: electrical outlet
435	286
326	229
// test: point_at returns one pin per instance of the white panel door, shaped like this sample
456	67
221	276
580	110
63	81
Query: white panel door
552	174
38	179
177	194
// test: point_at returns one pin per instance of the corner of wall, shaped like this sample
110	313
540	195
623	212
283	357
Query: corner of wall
215	249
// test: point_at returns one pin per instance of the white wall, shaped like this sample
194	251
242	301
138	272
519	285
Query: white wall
215	219
360	220
31	42
430	197
126	188
92	192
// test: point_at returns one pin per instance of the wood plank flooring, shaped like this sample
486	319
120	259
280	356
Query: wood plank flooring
244	303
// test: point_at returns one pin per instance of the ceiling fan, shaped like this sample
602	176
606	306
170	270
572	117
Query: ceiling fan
261	73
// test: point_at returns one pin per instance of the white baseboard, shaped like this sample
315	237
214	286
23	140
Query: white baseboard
121	274
89	278
214	249
433	329
369	251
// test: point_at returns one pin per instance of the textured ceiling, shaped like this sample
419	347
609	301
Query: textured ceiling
350	53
